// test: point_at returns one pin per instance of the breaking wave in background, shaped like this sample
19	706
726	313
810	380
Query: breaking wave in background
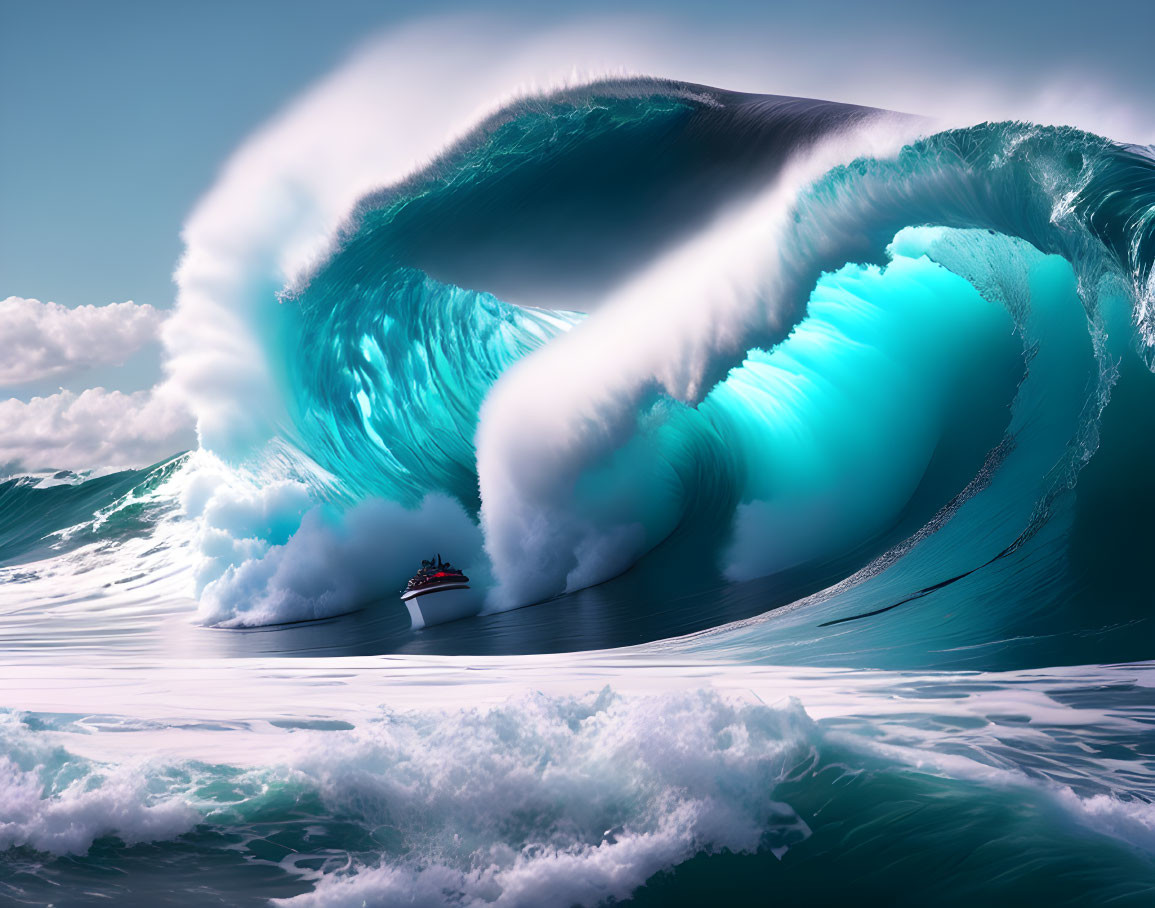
734	381
902	360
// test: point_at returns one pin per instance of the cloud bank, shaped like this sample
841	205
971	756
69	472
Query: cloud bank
96	428
46	339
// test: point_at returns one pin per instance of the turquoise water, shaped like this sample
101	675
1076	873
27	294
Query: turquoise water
800	463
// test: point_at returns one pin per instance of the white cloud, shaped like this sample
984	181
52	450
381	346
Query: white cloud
96	428
44	339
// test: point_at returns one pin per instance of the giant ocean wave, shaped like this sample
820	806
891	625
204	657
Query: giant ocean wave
751	381
684	345
658	331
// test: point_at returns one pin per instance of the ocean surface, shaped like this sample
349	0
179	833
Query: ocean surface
799	455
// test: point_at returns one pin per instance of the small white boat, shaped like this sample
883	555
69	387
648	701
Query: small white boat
438	593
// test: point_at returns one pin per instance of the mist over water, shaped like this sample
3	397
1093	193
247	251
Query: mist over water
797	454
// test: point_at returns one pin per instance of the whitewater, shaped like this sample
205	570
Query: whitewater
798	453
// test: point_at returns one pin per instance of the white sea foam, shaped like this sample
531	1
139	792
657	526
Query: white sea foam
54	804
559	797
534	799
560	800
334	562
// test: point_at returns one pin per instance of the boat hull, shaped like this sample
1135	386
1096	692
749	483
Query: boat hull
429	590
440	604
